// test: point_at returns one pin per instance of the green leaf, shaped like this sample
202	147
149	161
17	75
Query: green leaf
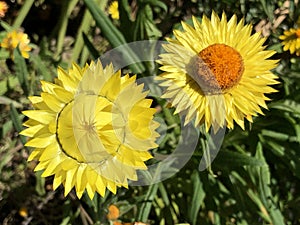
145	208
90	47
198	196
114	36
264	181
126	25
65	221
23	13
40	183
84	27
21	70
3	86
66	10
160	4
7	101
16	119
286	105
276	135
6	156
276	148
6	26
230	159
6	127
39	64
164	194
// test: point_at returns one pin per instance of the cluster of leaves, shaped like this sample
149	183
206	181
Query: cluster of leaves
255	177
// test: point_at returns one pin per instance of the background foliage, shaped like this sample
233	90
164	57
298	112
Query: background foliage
255	178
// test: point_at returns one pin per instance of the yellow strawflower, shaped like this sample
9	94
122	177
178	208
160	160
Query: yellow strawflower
217	72
91	129
291	40
16	39
113	10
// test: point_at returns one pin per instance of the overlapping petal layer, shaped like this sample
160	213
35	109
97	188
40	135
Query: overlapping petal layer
91	129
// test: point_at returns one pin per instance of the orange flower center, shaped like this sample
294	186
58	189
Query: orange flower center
219	67
298	33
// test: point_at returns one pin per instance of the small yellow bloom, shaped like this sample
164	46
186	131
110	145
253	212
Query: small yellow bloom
92	129
118	223
3	9
291	41
113	212
23	212
113	10
217	73
16	39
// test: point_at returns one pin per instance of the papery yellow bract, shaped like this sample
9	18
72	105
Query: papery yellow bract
87	131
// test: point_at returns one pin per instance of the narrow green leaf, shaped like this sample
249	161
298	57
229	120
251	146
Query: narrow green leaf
164	194
275	135
66	10
114	36
263	211
4	54
146	206
66	221
79	43
286	105
16	119
227	158
5	26
39	64
6	157
160	4
125	22
6	127
23	13
21	71
276	148
90	47
85	54
84	28
40	183
197	197
3	86
7	101
268	8
264	177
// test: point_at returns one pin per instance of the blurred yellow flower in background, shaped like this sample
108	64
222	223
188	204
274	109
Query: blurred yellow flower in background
113	10
113	212
217	72
23	212
91	129
291	41
16	39
3	8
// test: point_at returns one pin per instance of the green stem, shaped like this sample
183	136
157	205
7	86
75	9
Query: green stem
22	13
145	208
84	28
66	11
114	36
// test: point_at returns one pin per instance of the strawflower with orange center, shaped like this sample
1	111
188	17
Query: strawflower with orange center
16	39
291	41
217	73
